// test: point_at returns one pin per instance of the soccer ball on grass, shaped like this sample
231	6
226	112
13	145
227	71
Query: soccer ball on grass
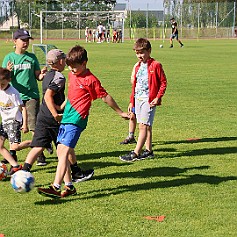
22	181
161	46
3	171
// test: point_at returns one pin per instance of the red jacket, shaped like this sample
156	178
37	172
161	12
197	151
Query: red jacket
156	81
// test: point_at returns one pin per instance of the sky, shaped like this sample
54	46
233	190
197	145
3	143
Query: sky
143	4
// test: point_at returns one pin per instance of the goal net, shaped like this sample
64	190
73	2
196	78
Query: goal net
72	24
41	50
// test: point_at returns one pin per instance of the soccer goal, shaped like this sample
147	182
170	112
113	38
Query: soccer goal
72	24
41	50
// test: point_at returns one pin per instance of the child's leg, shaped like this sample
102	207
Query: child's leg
148	143
141	138
6	154
20	146
31	157
62	153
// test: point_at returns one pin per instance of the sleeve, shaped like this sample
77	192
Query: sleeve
162	80
97	90
36	63
57	83
5	61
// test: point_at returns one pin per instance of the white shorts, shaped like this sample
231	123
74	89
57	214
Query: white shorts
144	113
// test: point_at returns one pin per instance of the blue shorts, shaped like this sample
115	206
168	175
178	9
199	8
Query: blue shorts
69	135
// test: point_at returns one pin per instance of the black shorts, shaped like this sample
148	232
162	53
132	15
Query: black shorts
46	131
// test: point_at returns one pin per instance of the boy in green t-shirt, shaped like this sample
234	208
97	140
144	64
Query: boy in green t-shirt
25	71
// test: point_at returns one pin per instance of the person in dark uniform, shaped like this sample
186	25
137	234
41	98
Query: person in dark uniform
175	33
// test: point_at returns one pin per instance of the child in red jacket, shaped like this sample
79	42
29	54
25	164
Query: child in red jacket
148	88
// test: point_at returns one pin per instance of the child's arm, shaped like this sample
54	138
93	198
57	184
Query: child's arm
39	74
111	103
24	126
48	97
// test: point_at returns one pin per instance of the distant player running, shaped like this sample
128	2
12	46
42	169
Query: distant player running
175	34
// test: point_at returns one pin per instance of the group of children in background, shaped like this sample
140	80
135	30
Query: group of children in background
101	34
62	120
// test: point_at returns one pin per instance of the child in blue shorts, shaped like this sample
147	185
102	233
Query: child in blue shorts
83	88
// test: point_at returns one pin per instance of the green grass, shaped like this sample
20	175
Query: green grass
192	183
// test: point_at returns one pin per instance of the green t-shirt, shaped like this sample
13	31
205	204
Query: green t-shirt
23	74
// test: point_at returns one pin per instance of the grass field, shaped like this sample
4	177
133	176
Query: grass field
192	179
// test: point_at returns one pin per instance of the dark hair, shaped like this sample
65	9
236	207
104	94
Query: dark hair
5	74
141	44
76	55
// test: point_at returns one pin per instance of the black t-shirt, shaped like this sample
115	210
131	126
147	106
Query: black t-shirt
55	81
174	26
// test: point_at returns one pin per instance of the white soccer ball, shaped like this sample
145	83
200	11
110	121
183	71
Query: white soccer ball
22	181
161	46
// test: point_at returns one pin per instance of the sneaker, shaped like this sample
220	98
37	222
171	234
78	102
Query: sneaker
171	46
50	149
68	191
4	161
51	192
41	160
132	156
128	140
146	154
82	176
15	169
181	45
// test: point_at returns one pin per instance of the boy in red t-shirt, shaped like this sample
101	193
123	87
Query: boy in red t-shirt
83	88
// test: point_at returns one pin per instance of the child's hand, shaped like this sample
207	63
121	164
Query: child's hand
42	73
155	102
9	65
25	129
58	117
125	115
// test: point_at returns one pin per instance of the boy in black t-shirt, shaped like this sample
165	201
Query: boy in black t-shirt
175	33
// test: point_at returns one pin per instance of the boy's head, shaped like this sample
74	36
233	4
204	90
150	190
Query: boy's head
142	47
5	78
54	55
21	39
142	44
77	59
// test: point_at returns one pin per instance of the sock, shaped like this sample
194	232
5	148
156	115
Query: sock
27	167
131	134
57	186
75	168
13	154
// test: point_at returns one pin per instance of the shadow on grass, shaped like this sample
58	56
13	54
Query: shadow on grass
198	152
199	140
157	172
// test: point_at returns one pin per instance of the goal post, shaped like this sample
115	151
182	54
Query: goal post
77	21
41	50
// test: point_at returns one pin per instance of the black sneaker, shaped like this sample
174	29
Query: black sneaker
146	154
41	160
82	176
171	46
4	161
132	156
50	149
128	140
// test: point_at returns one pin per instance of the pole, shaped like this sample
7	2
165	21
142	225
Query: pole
216	17
233	29
147	6
41	27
